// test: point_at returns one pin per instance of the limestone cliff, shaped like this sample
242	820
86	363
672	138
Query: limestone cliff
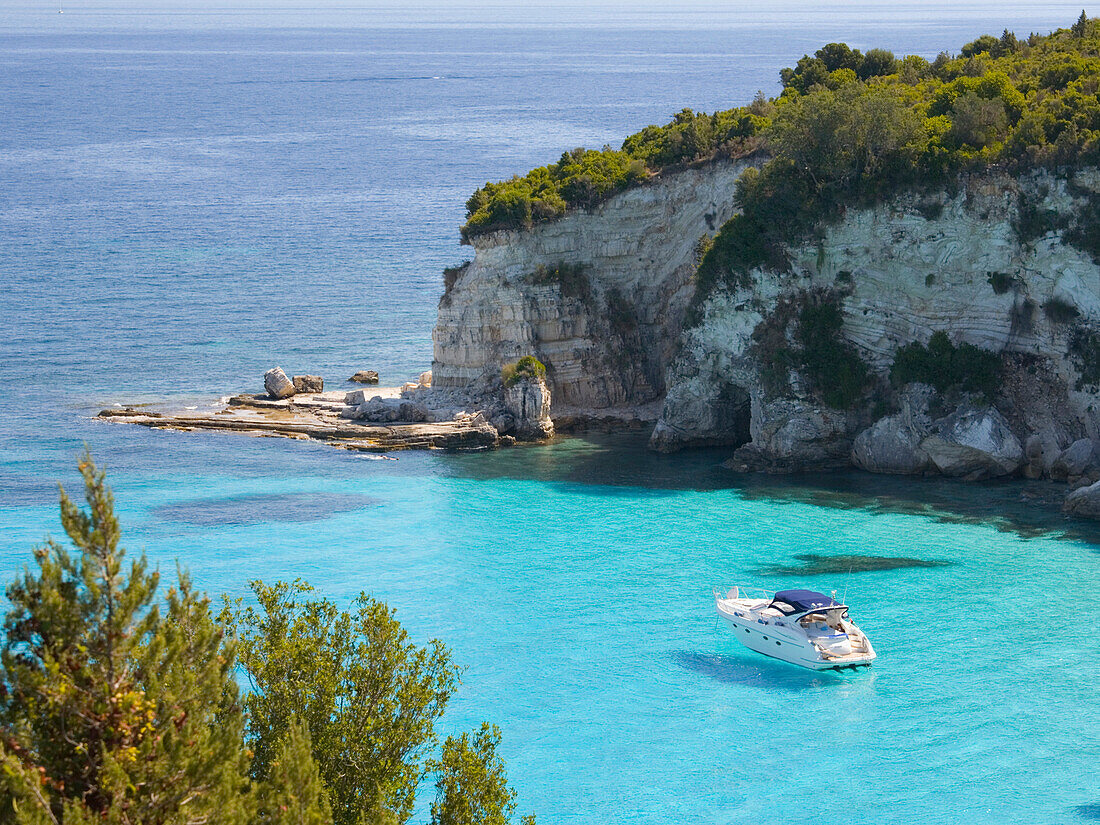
598	296
903	270
602	298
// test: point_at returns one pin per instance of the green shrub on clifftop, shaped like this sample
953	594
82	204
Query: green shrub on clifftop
850	129
582	178
526	367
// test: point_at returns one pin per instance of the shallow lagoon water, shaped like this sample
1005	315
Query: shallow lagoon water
182	208
581	609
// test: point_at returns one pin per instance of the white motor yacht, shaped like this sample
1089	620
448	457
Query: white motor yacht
802	627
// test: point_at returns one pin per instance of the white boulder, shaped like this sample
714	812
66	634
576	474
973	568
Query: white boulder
277	384
974	443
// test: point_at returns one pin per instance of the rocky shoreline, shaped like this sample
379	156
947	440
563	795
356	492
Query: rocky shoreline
412	417
972	441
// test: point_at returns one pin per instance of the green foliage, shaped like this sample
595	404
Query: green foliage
965	368
526	367
774	348
850	129
119	705
582	178
368	696
832	148
115	708
702	247
1084	348
805	333
834	57
1081	27
739	246
976	121
571	279
833	366
1059	311
293	793
1084	230
471	786
1033	221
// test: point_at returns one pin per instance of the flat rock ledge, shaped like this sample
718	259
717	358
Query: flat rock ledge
317	417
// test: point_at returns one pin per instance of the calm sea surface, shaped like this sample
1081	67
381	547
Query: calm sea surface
188	197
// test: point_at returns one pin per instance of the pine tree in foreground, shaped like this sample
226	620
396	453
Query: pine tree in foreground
369	696
119	702
472	786
114	707
294	793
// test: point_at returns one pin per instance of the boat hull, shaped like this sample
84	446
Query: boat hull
781	643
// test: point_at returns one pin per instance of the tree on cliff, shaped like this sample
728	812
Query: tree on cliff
119	703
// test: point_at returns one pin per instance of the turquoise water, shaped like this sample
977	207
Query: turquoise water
580	606
186	199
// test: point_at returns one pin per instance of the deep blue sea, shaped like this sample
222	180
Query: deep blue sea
192	194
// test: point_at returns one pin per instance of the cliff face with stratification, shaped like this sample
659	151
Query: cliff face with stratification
900	271
608	329
901	275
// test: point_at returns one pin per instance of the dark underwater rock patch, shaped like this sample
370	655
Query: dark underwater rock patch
262	507
815	564
1091	812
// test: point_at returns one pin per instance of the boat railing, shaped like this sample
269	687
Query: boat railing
743	593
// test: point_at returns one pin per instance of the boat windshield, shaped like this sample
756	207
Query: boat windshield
790	602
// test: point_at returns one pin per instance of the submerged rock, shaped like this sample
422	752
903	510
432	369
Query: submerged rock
308	383
816	564
277	384
974	444
365	377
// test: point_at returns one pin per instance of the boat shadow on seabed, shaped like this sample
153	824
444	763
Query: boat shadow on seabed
755	671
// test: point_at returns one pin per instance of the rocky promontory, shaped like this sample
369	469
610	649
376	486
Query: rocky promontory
603	298
488	414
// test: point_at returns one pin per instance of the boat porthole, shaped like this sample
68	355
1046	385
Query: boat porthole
765	638
777	644
746	630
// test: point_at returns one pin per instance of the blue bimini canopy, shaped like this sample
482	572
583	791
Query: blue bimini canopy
790	602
